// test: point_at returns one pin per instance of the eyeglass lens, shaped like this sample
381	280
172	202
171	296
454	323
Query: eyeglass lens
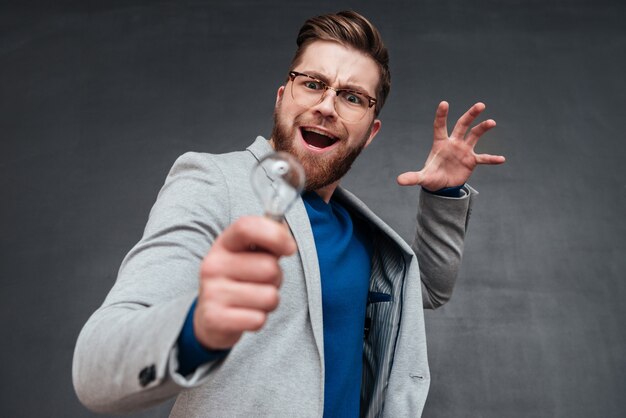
350	105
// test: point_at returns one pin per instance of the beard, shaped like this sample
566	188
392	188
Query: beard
320	170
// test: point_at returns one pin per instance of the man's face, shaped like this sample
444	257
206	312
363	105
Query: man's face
325	144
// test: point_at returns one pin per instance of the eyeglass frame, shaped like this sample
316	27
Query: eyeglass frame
294	74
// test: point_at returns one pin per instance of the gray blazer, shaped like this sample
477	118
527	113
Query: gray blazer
126	358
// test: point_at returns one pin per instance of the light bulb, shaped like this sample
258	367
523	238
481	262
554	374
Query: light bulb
278	179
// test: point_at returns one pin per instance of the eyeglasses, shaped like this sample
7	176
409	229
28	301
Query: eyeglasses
351	105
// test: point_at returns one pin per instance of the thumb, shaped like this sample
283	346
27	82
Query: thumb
410	178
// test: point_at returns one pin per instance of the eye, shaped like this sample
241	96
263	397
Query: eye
313	85
353	98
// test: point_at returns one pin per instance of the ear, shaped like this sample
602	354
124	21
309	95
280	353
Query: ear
279	94
373	131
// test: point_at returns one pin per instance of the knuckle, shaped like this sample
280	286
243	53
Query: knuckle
275	233
257	321
208	268
279	279
237	228
271	298
269	267
213	264
243	225
479	130
221	322
211	316
213	290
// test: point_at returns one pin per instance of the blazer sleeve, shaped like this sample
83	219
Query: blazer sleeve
441	227
125	356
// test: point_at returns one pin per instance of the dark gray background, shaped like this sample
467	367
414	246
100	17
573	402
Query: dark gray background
97	99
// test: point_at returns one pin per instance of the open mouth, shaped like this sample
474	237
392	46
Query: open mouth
317	138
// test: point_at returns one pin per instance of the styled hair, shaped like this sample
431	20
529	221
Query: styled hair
353	30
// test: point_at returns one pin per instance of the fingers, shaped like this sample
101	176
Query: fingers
258	267
477	131
440	125
410	178
234	321
490	159
257	232
235	294
218	327
466	120
239	286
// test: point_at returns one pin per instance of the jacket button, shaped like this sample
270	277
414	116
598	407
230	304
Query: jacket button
147	375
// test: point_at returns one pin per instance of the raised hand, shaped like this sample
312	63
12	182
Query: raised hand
239	280
452	158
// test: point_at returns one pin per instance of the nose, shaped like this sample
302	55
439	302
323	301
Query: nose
326	106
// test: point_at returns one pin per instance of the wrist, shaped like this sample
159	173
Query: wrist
454	191
191	352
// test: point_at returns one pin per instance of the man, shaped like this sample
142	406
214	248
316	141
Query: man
320	315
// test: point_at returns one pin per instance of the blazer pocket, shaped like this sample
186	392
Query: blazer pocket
377	297
373	298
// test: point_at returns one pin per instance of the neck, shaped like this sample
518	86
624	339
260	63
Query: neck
326	192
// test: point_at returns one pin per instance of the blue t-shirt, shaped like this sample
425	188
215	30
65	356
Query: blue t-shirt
344	254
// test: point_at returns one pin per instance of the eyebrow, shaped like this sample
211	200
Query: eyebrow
352	87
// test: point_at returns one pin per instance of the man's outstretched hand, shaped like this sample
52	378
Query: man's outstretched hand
452	158
239	280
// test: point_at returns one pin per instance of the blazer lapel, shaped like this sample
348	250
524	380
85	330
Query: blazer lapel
298	221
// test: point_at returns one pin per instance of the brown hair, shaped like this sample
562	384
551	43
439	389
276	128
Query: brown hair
350	29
